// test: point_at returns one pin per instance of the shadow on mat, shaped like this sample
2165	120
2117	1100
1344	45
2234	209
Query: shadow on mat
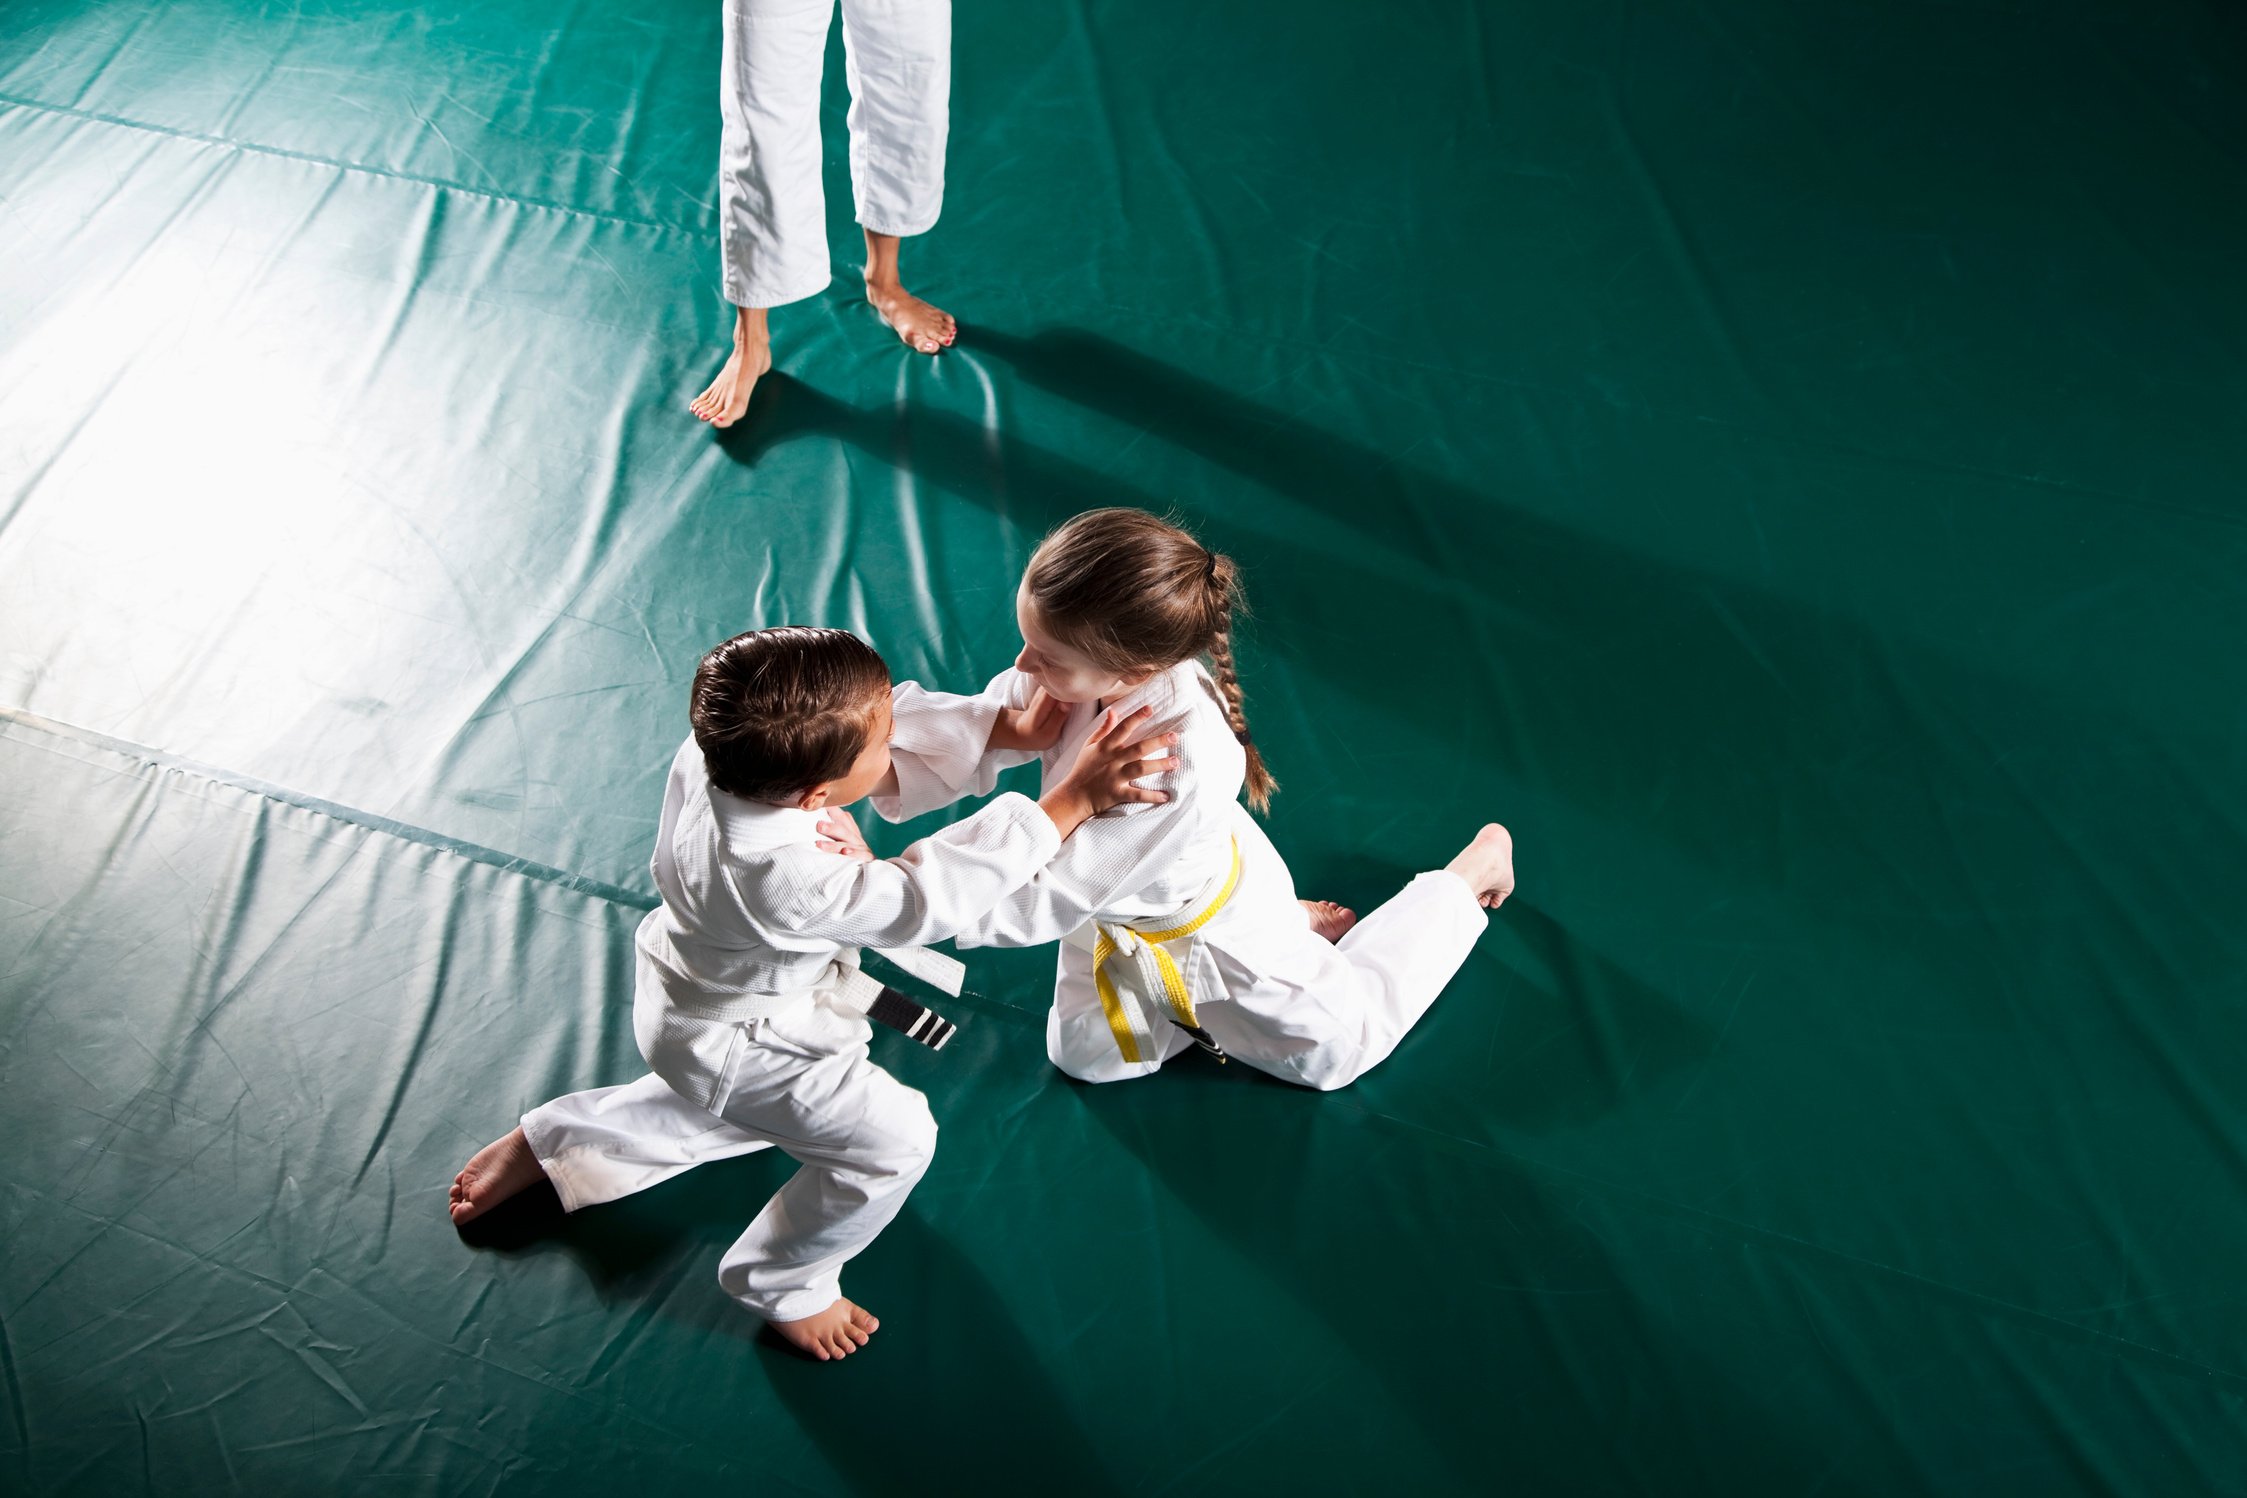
625	1248
1744	728
960	1384
950	1374
1575	1038
1585	1037
1493	1318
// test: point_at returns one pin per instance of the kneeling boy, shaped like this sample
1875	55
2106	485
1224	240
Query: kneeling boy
748	1004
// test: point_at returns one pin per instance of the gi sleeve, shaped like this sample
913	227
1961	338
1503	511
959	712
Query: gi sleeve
1116	854
938	745
930	892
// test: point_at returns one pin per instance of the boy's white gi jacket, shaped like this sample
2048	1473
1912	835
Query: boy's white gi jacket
754	915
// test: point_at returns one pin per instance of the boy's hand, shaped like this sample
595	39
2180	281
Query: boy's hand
1037	726
838	833
1106	767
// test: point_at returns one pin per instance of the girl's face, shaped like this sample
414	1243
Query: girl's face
1066	674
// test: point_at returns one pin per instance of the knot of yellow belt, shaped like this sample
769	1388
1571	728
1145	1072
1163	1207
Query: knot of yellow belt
1111	940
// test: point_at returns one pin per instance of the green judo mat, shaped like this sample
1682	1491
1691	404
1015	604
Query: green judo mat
1783	459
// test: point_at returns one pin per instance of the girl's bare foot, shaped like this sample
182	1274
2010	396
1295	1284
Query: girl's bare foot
923	327
1328	919
500	1169
836	1332
728	396
1487	864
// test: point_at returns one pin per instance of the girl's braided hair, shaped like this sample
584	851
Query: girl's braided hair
1133	593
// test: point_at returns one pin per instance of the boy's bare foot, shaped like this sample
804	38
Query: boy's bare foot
728	396
1328	919
836	1332
1487	864
499	1170
923	327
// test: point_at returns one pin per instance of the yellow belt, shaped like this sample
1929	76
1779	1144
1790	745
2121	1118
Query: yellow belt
1140	947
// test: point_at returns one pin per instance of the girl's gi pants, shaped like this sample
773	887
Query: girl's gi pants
1275	994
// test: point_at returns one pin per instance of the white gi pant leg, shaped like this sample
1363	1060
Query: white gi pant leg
800	1080
898	57
608	1142
1323	1014
863	1138
772	213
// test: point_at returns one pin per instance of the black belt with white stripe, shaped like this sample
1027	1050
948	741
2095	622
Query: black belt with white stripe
913	1020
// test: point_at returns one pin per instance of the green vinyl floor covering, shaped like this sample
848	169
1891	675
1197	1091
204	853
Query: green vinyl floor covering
1785	458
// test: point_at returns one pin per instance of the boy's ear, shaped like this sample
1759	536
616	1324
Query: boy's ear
814	798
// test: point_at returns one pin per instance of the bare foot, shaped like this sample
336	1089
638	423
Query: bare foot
728	396
1487	864
500	1169
923	327
1328	919
836	1332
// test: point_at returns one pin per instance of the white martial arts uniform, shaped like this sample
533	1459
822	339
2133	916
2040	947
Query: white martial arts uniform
745	1008
1265	986
772	214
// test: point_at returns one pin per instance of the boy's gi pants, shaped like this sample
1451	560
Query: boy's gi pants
772	214
800	1080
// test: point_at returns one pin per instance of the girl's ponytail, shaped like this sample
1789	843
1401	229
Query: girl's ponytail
1224	585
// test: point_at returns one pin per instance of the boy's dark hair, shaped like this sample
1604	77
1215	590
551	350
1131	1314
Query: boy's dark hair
779	711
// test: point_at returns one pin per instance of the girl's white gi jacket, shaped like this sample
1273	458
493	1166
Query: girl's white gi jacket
1266	988
1135	863
754	915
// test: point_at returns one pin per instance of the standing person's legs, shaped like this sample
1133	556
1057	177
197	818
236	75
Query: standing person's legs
772	215
899	55
863	1139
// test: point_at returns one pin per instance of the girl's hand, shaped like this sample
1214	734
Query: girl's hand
1037	726
838	833
1103	775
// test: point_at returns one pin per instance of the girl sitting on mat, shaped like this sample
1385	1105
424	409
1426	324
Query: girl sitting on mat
1180	921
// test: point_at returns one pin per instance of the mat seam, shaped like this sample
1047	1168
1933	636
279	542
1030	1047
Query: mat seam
283	153
336	811
408	832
